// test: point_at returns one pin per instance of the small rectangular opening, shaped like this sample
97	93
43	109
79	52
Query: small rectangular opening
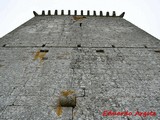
80	24
100	51
44	50
43	45
79	45
4	45
158	51
113	46
145	46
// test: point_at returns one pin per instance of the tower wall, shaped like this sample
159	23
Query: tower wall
106	63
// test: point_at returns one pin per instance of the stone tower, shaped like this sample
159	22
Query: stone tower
79	67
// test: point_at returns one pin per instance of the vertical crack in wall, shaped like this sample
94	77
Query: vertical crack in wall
76	68
77	73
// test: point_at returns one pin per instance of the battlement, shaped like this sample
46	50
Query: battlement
56	12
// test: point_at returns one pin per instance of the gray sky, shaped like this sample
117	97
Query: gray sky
143	13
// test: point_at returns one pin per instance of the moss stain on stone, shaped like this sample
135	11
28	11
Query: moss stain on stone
40	55
59	109
67	92
64	93
76	18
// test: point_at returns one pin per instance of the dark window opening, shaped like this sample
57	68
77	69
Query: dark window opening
44	50
158	51
43	45
113	46
145	46
100	51
4	45
79	45
80	24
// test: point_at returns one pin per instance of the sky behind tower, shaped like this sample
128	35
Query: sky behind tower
143	13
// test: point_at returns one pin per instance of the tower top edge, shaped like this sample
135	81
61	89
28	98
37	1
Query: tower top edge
95	13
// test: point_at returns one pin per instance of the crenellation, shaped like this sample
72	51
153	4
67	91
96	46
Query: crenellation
56	12
88	13
81	13
49	12
122	15
43	13
101	13
75	12
114	14
69	12
94	13
62	12
35	14
107	14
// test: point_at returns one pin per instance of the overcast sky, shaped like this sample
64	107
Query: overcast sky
143	13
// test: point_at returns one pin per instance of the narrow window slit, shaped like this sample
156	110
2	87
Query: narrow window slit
4	45
79	45
145	46
100	51
80	24
43	45
44	50
157	51
113	46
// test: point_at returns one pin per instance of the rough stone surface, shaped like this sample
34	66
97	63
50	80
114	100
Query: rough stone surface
117	63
